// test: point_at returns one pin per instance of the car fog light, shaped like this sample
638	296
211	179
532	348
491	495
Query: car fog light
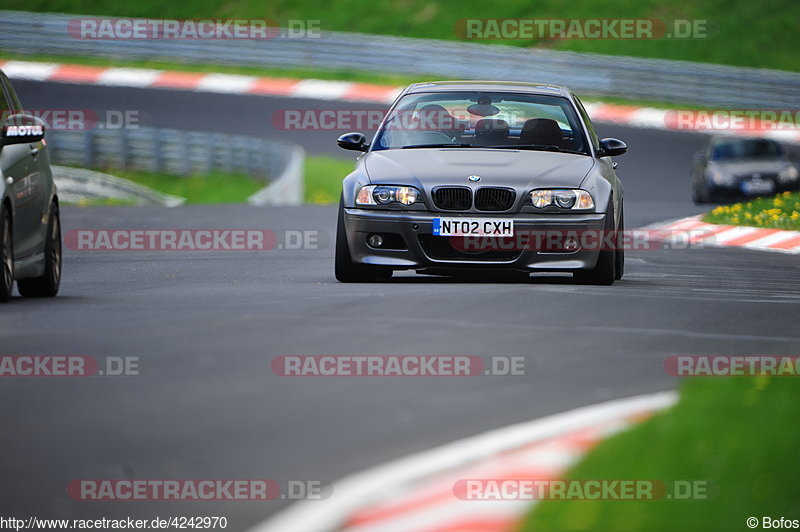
375	241
571	245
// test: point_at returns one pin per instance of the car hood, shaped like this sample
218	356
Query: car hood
430	167
765	166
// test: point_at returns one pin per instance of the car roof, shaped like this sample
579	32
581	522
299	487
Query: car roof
489	86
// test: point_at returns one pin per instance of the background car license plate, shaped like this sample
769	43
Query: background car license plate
473	227
758	186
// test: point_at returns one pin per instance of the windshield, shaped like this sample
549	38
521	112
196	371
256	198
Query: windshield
482	120
732	150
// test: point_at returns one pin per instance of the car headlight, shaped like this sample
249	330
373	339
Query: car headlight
718	177
386	194
789	173
562	198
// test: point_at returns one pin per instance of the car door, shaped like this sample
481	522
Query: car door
24	183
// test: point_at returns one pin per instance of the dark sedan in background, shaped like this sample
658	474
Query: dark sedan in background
458	172
730	169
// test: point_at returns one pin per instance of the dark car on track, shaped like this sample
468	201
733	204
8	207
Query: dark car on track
731	168
459	171
30	227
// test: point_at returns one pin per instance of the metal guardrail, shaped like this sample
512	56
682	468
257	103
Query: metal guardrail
79	184
182	153
591	74
169	151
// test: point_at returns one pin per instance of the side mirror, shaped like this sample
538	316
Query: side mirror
21	129
611	147
353	141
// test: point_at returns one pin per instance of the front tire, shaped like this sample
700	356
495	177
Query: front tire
6	255
698	197
345	269
48	283
619	266
605	271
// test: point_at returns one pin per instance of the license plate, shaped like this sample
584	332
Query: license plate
492	227
758	186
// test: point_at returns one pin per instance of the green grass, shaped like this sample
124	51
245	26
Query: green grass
745	33
779	212
213	188
739	434
323	178
98	202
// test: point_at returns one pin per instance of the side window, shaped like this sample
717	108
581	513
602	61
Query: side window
5	109
13	99
592	135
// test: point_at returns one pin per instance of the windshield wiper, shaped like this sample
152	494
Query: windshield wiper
443	145
536	148
542	147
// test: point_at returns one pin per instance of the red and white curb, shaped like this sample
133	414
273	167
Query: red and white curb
416	492
652	118
695	231
200	82
644	117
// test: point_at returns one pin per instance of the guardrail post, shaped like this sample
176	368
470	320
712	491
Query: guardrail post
123	147
88	149
158	156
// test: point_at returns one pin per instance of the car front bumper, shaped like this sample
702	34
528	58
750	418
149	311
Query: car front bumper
418	255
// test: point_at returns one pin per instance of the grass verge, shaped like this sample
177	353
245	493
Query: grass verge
740	32
778	212
323	178
739	434
98	202
213	188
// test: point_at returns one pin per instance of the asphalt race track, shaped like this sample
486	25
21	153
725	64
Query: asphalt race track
206	324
